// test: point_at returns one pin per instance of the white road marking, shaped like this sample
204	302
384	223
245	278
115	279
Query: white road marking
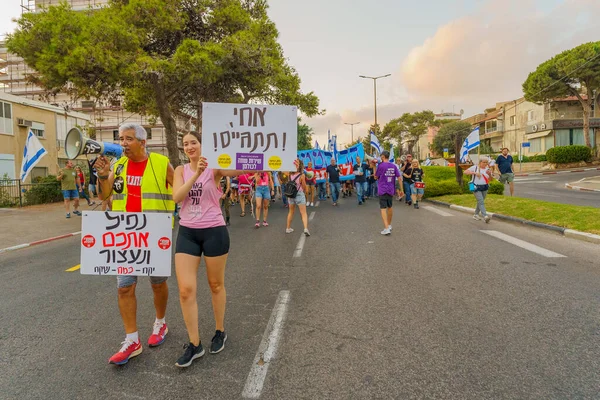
312	215
523	244
437	211
299	246
267	348
317	205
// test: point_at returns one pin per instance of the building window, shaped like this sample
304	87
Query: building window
535	145
116	135
149	133
513	119
38	129
529	115
6	124
38	173
491	126
568	137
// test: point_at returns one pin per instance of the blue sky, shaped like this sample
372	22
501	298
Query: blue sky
443	55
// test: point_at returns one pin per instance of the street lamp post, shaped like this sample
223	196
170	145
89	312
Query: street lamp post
375	90
352	128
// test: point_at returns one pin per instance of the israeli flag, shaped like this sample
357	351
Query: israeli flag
470	143
33	153
334	146
375	143
427	162
317	145
392	158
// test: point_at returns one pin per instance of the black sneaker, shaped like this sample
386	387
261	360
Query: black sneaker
416	205
218	342
191	353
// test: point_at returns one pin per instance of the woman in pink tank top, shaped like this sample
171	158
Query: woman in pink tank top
202	232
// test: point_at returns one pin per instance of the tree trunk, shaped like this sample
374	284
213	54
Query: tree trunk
457	168
167	119
587	110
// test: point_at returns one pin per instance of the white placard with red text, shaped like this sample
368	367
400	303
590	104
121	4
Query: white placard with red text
116	243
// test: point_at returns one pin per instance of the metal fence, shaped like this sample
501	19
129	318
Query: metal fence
14	193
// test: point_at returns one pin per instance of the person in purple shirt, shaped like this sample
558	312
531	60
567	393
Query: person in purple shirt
387	173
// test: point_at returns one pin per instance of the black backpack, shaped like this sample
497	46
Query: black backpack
291	190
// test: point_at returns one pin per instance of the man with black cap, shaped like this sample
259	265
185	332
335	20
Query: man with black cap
387	173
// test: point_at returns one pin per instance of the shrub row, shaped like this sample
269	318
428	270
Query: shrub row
569	154
441	181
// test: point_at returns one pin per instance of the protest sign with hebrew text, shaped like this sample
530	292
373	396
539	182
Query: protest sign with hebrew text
116	243
250	137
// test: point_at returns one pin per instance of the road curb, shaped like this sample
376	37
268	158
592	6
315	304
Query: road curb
558	172
573	187
570	233
25	245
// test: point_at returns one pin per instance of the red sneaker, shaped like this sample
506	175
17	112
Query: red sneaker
159	332
128	350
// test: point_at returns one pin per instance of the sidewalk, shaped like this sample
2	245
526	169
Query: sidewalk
587	184
36	223
556	171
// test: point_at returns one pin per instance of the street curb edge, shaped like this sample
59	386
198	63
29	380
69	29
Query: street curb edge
582	189
570	233
25	245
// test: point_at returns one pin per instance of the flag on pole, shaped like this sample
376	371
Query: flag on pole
375	143
392	158
470	143
334	146
317	145
329	141
33	153
427	162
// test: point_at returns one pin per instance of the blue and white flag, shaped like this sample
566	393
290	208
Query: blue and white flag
392	158
471	142
427	162
375	143
334	147
33	153
317	145
329	141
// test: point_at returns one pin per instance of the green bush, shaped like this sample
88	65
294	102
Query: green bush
569	154
496	188
45	190
442	188
437	173
435	187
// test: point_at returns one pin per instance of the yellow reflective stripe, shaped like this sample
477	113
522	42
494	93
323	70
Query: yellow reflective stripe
118	196
157	211
157	196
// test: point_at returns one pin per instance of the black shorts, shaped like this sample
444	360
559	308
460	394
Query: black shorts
386	201
212	242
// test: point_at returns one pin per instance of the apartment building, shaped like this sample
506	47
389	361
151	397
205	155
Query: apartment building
50	124
105	116
422	148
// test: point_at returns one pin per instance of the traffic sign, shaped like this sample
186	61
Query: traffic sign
526	144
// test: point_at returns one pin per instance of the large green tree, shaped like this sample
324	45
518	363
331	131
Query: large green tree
305	133
574	72
165	57
409	127
452	136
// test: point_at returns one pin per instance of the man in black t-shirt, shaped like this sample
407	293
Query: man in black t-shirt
360	178
333	173
406	181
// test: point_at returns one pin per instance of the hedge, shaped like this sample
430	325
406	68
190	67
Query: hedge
569	154
441	181
45	190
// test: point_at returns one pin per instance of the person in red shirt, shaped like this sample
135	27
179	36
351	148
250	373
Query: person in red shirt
133	140
310	185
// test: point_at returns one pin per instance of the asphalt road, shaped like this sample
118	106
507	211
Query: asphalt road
552	188
439	309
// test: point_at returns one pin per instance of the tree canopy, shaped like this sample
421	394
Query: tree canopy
305	133
409	127
164	57
452	136
574	72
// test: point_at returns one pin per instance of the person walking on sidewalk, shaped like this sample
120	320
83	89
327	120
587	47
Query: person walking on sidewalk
481	178
81	185
504	163
141	182
299	200
387	174
68	184
202	232
333	173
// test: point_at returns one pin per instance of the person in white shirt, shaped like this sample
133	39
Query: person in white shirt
481	177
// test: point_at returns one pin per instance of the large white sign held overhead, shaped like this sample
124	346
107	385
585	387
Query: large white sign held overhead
250	137
116	243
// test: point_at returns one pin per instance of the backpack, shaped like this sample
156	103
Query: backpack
291	190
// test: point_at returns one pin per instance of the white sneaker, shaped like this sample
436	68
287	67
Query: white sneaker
390	228
306	232
386	232
289	230
476	217
487	219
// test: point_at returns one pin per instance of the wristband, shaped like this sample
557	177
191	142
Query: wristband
103	177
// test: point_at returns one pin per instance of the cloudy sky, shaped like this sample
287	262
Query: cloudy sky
443	55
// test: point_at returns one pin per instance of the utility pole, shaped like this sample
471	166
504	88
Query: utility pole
375	90
352	128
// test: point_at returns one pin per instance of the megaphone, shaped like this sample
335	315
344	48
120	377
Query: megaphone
77	144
